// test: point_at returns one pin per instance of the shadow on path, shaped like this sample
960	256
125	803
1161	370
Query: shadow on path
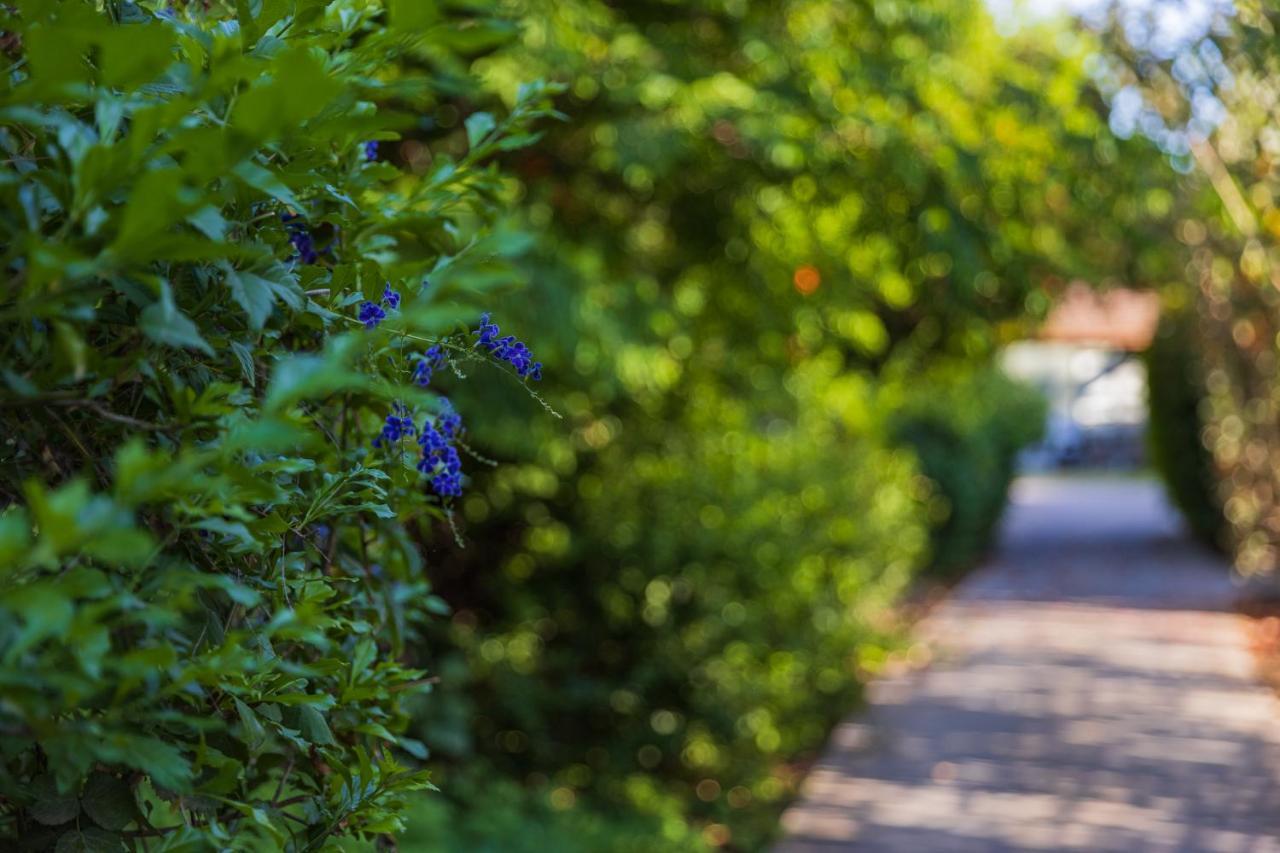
1091	690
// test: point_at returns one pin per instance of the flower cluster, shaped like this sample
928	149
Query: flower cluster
430	362
439	456
390	298
507	349
300	237
440	460
371	151
373	313
398	425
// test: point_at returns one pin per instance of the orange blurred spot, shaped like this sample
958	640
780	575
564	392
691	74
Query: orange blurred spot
806	279
716	834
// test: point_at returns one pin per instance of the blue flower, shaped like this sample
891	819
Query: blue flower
450	422
371	151
507	349
397	426
371	314
390	298
430	362
300	237
440	459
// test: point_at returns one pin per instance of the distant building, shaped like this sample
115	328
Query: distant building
1083	358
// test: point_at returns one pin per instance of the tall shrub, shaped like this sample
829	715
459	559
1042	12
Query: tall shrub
220	310
1176	424
1206	98
966	426
757	209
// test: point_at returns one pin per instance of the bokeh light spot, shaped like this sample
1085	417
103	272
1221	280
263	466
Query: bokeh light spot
807	279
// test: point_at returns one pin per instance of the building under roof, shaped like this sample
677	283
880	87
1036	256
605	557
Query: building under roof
1119	318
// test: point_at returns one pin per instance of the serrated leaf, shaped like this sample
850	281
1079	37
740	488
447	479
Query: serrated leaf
165	324
257	294
245	357
109	801
364	655
89	840
51	807
251	293
209	221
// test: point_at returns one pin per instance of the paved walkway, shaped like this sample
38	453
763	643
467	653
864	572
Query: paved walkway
1091	690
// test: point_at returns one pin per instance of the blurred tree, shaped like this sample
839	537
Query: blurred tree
765	225
1209	101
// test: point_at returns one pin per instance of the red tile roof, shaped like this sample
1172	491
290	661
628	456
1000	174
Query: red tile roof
1122	318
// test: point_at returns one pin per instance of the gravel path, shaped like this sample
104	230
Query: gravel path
1091	690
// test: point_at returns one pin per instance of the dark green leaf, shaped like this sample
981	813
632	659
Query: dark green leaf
109	801
313	725
52	808
89	840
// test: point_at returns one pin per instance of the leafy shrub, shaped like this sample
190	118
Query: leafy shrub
756	208
213	511
515	819
659	615
1224	255
966	427
1175	426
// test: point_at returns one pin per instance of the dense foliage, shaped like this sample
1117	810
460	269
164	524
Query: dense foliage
761	228
966	428
248	247
1208	101
215	312
1175	431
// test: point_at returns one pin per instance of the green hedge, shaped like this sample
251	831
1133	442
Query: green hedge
966	427
1175	425
696	605
211	525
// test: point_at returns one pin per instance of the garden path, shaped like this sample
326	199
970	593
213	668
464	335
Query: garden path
1091	689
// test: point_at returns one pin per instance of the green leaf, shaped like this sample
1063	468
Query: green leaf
245	357
479	125
313	725
15	538
251	293
89	840
364	655
72	347
188	839
45	611
313	376
165	324
252	732
163	762
415	15
266	182
158	199
52	808
209	221
135	54
297	89
109	801
257	295
416	748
